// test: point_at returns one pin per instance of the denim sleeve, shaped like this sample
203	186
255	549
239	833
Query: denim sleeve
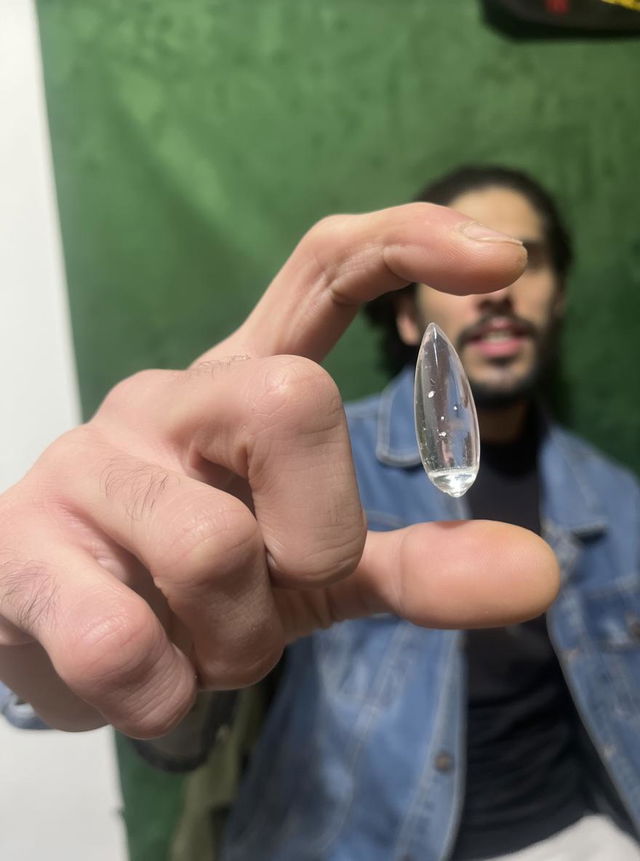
18	713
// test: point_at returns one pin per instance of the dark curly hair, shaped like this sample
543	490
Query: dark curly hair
381	313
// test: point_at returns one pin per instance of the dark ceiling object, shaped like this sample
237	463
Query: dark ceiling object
561	19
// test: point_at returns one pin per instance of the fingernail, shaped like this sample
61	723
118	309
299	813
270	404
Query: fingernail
480	233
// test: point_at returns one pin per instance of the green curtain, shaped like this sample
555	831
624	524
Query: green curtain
195	141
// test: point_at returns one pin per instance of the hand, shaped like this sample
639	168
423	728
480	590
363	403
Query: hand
204	518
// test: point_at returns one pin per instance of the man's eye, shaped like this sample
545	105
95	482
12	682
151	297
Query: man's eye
537	257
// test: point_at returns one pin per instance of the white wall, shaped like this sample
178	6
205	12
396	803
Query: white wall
38	390
59	798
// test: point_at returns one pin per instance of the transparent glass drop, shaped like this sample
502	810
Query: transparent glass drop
446	420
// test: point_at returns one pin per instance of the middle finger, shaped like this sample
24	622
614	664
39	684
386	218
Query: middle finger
277	422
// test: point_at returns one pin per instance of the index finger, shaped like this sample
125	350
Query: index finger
346	260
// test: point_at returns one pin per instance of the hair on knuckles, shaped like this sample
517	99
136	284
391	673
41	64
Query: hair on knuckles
30	588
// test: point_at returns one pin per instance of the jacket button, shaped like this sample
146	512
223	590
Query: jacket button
634	628
444	762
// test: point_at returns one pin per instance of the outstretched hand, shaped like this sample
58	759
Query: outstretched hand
204	518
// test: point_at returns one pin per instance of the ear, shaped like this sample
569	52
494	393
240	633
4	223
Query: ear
407	319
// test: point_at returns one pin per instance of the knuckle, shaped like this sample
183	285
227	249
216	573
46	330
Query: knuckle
327	563
115	651
212	368
63	454
137	485
425	208
129	394
326	234
298	392
326	228
240	673
28	595
207	543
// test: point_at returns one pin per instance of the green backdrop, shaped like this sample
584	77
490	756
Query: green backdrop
195	141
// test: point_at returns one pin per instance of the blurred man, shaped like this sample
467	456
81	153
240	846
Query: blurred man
533	689
385	740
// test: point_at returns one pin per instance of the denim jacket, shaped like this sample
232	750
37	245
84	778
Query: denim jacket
362	752
18	713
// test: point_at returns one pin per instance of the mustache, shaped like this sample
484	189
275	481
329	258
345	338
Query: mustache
477	330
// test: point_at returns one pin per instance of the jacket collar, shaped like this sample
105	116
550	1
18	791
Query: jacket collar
570	501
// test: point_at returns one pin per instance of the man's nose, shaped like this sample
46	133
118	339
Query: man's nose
499	300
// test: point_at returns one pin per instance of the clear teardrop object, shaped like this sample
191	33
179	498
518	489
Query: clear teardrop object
446	419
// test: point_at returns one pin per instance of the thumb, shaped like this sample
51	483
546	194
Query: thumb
459	574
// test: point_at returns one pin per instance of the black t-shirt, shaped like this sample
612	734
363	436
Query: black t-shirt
524	777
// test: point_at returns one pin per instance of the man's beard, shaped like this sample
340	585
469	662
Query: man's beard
492	396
